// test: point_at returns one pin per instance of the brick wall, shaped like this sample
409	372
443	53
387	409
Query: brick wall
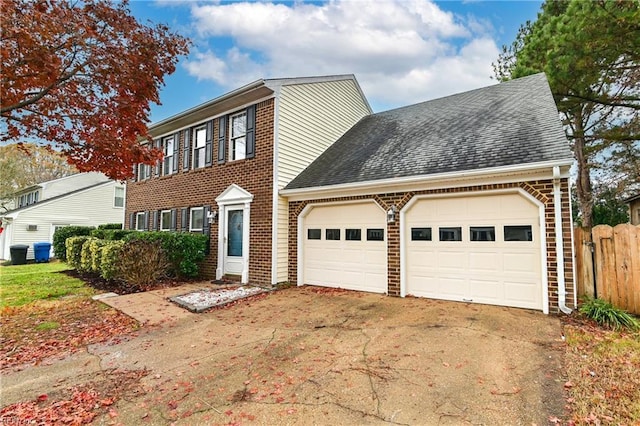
541	190
200	187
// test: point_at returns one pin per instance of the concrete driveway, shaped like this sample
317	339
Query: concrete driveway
311	356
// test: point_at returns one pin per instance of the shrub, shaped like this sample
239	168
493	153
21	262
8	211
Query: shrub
61	235
142	263
95	250
604	313
74	251
110	260
85	255
111	234
184	251
110	226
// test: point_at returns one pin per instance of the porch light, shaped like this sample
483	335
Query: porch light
391	214
211	216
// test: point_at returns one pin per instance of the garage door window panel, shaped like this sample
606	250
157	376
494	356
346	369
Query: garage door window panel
518	233
482	233
314	234
375	234
332	234
353	234
421	234
450	233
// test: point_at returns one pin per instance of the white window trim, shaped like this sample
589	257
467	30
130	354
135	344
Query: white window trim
167	161
233	139
138	216
115	196
162	213
191	210
196	148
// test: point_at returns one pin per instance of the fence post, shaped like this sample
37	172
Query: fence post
583	246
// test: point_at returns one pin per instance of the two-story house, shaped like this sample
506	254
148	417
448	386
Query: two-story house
461	198
226	161
83	199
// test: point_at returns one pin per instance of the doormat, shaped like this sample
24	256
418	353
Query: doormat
201	300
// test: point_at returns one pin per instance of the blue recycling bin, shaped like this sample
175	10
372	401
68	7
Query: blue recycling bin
41	251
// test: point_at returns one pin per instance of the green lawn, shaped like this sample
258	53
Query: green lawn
24	284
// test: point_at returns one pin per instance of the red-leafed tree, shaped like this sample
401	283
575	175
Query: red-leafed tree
80	77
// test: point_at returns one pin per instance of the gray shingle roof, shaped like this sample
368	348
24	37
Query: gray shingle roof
511	123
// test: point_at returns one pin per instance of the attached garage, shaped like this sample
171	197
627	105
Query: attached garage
472	191
344	246
474	248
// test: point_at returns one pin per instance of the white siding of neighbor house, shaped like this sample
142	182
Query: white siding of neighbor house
311	117
91	207
70	183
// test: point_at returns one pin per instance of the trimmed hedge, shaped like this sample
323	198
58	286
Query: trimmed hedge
74	251
86	257
184	251
95	250
110	226
61	235
111	234
110	260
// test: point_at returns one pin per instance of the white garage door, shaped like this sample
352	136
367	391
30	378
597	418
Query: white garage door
345	246
482	249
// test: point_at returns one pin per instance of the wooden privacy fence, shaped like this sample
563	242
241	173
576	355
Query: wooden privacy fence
608	264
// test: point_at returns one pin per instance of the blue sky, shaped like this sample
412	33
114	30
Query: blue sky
401	51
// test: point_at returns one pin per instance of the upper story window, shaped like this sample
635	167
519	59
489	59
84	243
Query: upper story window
238	136
144	171
199	146
169	152
118	196
28	199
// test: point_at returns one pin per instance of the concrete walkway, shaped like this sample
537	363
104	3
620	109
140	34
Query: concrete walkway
153	307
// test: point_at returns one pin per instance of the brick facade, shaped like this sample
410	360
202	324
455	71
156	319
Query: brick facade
541	190
200	187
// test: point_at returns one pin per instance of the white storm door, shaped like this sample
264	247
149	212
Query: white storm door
234	241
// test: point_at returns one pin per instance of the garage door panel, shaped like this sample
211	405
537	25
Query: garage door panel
451	260
496	272
484	262
349	264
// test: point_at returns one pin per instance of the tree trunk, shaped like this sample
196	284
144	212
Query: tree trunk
583	181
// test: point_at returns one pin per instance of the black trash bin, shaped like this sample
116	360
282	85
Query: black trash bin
41	251
18	254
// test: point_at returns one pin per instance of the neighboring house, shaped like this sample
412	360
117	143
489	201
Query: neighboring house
87	199
634	209
462	198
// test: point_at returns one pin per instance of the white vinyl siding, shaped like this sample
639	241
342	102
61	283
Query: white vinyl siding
311	118
283	240
91	207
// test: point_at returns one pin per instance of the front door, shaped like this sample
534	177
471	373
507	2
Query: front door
233	260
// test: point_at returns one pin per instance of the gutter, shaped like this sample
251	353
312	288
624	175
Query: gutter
557	204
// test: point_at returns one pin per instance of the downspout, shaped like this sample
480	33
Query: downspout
557	206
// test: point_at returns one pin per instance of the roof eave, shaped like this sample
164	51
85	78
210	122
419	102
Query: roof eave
449	179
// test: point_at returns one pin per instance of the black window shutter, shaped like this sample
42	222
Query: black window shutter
146	221
184	219
154	225
251	132
158	144
186	156
135	173
176	151
174	219
132	221
205	225
222	139
208	149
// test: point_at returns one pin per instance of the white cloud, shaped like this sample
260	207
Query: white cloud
402	51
